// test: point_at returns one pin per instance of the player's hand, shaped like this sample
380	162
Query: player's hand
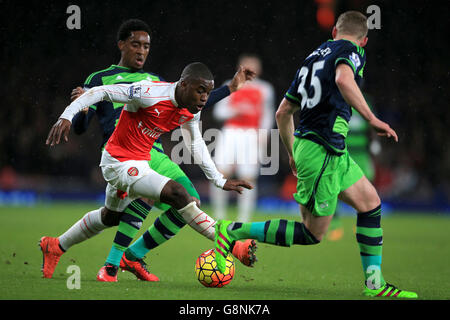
60	129
240	77
75	94
293	166
383	129
197	201
236	185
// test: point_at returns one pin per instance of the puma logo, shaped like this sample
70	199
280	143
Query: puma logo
203	221
158	112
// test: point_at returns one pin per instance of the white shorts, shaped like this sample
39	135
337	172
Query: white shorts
121	176
237	151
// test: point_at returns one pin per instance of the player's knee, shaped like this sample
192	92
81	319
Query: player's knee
110	218
317	237
314	233
373	201
197	201
148	201
176	195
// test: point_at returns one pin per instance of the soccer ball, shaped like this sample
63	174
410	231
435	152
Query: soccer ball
207	272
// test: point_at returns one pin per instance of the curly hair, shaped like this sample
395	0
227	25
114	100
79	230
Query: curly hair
128	26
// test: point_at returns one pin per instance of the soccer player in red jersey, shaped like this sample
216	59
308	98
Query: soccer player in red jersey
133	41
152	108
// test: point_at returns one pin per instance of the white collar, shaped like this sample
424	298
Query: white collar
172	93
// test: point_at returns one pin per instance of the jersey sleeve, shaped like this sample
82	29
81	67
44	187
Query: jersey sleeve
94	80
222	110
354	57
217	95
292	93
81	120
122	93
193	139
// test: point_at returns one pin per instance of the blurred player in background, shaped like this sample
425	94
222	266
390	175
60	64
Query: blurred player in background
237	151
361	145
323	91
134	44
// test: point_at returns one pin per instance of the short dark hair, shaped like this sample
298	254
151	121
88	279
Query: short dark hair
248	55
196	70
128	26
352	23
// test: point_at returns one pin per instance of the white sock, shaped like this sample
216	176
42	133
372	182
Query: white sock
246	204
219	199
198	220
87	227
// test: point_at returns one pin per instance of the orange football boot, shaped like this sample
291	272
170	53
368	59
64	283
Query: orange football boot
107	273
51	252
244	251
138	268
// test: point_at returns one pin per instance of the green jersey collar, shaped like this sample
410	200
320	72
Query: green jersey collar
346	40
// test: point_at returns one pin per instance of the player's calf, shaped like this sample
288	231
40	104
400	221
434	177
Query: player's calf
110	218
279	232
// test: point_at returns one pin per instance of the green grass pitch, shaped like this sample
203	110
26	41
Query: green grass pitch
416	256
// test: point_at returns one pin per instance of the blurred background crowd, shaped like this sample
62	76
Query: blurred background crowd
407	77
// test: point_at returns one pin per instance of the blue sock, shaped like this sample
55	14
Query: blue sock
114	256
137	250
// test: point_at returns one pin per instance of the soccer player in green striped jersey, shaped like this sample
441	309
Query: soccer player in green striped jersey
134	44
324	88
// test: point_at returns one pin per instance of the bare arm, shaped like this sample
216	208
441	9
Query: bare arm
240	78
222	110
353	96
285	122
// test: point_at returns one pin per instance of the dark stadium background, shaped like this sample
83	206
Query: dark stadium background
407	75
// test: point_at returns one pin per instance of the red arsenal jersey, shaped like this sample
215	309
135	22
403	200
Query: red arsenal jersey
152	111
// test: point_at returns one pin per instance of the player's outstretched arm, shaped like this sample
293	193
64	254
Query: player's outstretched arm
239	79
285	123
193	139
243	75
237	185
353	96
115	93
60	129
76	93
